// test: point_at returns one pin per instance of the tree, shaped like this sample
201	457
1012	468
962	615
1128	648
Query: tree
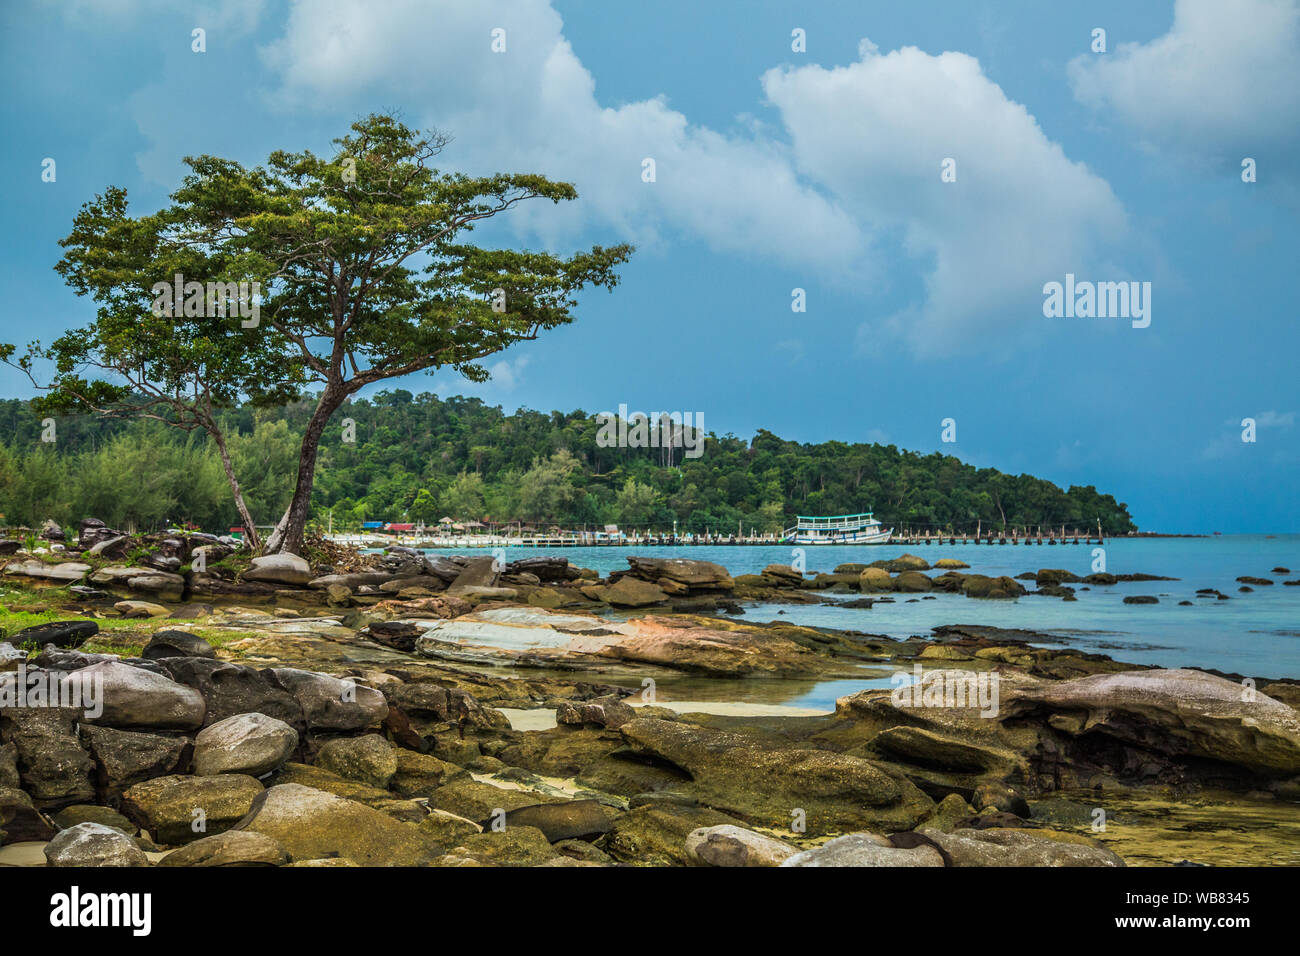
176	362
636	503
463	499
364	271
545	490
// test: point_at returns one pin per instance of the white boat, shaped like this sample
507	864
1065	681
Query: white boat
838	529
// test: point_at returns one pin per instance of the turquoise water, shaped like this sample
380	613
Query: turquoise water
1256	634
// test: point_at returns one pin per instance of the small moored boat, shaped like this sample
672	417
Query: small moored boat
838	529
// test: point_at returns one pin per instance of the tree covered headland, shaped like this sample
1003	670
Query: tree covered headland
416	458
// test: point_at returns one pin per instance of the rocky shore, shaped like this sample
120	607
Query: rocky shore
406	709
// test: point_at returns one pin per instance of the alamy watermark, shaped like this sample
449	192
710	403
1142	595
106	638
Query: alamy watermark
1101	300
36	687
943	687
656	430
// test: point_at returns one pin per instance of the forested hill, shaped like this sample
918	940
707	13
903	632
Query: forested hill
418	457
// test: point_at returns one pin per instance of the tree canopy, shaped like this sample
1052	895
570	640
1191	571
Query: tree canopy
363	272
418	457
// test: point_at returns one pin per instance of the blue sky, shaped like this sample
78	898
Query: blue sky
777	170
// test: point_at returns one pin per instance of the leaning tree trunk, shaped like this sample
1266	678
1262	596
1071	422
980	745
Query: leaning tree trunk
250	530
288	534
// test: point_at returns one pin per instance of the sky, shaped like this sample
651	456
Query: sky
921	171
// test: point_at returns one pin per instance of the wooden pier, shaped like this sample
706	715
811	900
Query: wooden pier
906	538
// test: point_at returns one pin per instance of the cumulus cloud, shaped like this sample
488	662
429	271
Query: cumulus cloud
1019	214
1222	84
846	180
534	107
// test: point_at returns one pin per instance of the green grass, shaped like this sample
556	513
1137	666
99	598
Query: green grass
22	608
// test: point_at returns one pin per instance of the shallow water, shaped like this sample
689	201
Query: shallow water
1256	634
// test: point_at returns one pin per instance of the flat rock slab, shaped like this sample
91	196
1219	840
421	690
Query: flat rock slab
311	825
1181	712
66	571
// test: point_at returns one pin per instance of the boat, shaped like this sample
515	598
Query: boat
837	529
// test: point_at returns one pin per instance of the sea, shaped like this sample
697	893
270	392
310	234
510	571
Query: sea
1254	633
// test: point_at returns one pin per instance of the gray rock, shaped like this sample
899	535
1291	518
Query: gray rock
253	744
279	569
175	643
329	703
126	757
66	571
232	848
134	697
865	849
1015	847
59	633
728	845
369	759
180	809
52	765
93	844
314	825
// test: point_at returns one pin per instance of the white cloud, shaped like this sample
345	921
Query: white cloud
1222	84
856	164
1272	419
506	376
534	108
1020	213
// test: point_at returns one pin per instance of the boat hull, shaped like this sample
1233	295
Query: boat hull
862	537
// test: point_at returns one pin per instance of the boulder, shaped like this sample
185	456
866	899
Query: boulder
370	759
52	765
912	582
875	579
609	711
475	800
313	825
328	703
691	575
1050	576
1020	847
684	645
480	572
513	846
93	844
418	775
906	562
251	744
174	643
767	783
279	569
232	689
628	591
232	848
950	564
655	834
982	586
140	609
181	809
134	697
564	820
65	572
59	633
20	821
69	817
728	845
865	849
124	757
1180	712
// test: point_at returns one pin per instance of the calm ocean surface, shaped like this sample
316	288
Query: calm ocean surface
1256	634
